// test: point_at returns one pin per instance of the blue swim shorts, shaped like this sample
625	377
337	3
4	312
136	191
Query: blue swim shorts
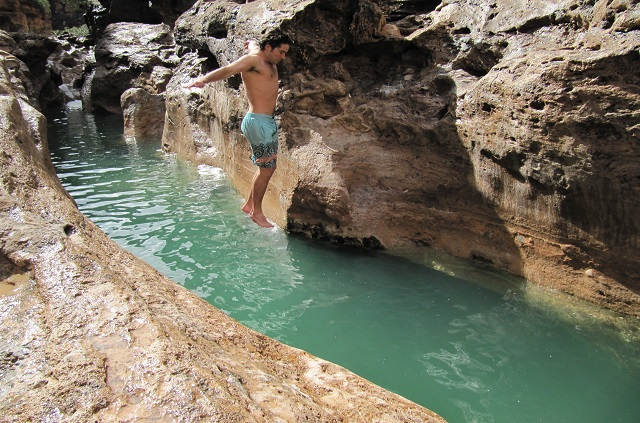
262	133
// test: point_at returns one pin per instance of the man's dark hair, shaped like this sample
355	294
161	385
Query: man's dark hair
275	40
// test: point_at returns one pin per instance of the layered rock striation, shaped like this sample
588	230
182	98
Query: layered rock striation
25	16
492	130
90	333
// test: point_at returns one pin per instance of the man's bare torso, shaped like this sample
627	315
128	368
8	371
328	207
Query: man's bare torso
261	83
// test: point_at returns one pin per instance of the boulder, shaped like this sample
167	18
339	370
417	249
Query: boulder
486	129
91	333
124	53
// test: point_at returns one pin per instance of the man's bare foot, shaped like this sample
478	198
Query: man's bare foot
261	221
246	208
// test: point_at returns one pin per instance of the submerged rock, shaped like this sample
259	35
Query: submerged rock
90	333
499	131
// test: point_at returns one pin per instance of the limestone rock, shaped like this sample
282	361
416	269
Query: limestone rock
143	114
69	64
126	51
34	51
90	333
488	122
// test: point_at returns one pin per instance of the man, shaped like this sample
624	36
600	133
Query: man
260	77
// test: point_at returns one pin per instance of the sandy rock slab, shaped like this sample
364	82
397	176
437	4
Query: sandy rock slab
89	333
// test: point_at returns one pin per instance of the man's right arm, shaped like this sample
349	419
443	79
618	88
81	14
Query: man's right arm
243	64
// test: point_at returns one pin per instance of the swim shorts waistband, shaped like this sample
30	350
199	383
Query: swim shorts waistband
259	115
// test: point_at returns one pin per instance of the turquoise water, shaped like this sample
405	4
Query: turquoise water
471	344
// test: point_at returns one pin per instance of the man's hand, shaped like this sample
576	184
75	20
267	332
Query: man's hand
196	83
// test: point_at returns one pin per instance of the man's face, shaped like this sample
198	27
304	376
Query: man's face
276	55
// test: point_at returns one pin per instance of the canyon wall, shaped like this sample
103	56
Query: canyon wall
90	333
501	131
25	16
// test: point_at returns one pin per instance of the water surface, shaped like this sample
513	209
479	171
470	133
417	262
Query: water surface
471	344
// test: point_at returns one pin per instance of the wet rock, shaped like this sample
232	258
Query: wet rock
124	53
479	125
90	333
25	16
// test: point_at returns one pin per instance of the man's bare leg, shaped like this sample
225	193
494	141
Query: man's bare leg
247	207
257	192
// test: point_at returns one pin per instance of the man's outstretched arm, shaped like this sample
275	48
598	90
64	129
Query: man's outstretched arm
243	64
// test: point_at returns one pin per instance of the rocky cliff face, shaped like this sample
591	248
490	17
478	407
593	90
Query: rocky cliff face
25	16
126	56
500	131
152	12
90	333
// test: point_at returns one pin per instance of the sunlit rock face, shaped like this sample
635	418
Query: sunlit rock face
25	16
143	114
128	55
502	131
90	333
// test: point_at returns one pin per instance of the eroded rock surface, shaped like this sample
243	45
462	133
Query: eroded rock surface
143	114
25	16
34	50
127	56
503	131
90	333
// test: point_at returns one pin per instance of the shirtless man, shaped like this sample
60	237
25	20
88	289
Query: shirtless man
260	77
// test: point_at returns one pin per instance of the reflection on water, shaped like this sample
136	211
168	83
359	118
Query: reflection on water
472	344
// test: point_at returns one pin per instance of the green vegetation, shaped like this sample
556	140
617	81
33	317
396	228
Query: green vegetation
44	4
78	4
76	31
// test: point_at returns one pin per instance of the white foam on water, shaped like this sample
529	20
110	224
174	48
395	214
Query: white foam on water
206	170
